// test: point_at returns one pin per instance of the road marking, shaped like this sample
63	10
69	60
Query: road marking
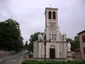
13	61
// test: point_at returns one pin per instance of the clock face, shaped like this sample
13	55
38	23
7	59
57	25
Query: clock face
52	26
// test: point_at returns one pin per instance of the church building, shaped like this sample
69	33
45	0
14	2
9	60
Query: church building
52	44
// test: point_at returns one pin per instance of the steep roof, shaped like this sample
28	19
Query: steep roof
81	32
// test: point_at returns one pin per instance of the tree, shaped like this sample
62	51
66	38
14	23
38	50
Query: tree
26	45
74	43
33	38
10	36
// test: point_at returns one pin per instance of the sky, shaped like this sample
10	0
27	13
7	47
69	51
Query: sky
30	15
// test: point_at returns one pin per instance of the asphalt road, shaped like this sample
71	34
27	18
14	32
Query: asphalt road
13	59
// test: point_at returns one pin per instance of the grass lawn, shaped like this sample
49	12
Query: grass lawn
52	62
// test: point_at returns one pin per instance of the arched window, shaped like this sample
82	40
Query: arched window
49	14
54	15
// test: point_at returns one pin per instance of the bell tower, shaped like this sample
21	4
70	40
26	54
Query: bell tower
52	44
51	24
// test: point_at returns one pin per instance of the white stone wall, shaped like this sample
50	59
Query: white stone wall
65	49
48	31
35	49
48	46
41	50
60	50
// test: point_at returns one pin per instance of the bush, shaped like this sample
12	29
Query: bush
52	62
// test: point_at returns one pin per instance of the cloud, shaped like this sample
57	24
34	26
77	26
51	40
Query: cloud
30	15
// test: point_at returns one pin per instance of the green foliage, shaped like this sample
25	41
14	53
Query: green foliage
26	45
52	62
33	38
10	36
74	43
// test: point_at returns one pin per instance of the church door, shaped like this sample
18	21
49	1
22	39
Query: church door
52	53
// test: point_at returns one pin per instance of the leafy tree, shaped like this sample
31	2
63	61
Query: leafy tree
26	45
10	36
33	38
74	43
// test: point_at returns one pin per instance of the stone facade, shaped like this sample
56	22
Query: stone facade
56	45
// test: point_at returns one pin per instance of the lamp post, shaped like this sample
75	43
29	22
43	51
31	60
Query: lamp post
45	46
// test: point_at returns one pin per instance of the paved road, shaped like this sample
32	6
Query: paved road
13	59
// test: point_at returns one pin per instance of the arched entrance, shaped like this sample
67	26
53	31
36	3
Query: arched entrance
52	53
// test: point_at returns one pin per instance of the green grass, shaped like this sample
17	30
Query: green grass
52	62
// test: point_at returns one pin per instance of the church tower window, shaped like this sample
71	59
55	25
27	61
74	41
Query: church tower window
49	14
53	36
49	37
54	15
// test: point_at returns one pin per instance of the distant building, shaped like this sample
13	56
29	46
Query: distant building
56	44
82	44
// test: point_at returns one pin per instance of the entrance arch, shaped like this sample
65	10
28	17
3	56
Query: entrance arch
52	52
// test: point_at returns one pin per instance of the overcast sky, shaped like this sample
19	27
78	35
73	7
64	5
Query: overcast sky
30	15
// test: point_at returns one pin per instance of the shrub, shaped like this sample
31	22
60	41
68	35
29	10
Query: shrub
52	62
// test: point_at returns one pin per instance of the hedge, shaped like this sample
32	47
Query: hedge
52	62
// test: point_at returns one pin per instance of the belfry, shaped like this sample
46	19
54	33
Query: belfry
55	42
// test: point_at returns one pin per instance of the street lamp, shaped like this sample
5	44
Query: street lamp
44	46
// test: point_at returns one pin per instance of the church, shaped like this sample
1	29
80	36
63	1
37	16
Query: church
52	44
